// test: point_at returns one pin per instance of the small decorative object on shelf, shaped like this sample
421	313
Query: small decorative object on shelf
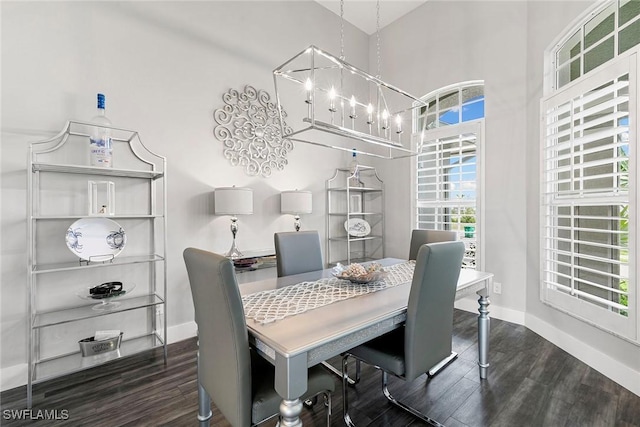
354	180
104	293
96	239
357	227
92	345
102	195
101	150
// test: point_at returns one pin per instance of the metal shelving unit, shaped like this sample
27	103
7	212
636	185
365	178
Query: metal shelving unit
58	195
355	196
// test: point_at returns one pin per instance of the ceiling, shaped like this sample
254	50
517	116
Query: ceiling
363	13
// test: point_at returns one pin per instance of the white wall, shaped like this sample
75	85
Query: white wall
451	42
163	67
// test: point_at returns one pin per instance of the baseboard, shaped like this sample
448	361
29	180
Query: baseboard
182	332
13	376
16	376
470	304
606	365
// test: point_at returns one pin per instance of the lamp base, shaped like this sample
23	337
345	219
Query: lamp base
234	252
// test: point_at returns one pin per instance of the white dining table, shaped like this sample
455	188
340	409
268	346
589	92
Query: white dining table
297	342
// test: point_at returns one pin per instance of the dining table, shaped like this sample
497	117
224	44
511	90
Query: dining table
298	321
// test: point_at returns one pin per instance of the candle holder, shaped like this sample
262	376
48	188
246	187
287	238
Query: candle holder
102	198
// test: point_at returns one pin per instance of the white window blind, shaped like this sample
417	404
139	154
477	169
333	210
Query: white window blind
447	184
588	202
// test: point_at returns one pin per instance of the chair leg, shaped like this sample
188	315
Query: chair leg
442	364
414	412
338	373
327	403
204	400
345	403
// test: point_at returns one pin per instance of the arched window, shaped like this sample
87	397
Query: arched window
588	148
610	30
448	168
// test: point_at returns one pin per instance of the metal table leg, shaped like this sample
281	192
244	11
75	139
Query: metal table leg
483	330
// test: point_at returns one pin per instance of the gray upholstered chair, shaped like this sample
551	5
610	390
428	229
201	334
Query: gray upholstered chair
238	380
298	252
421	237
425	339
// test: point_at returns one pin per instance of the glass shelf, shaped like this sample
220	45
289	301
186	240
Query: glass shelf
86	311
94	170
61	217
360	189
354	239
64	266
355	213
74	362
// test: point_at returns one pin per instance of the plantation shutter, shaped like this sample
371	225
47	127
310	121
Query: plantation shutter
447	184
588	199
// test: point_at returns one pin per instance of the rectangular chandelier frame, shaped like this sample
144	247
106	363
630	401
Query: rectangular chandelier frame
333	94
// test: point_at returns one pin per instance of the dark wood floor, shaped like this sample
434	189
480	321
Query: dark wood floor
531	383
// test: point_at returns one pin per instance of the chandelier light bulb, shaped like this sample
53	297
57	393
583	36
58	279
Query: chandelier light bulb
309	87
353	107
385	119
332	99
369	114
398	124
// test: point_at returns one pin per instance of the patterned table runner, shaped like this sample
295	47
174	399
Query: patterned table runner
276	304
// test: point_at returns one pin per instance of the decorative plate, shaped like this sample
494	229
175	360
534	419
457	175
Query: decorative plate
357	227
96	239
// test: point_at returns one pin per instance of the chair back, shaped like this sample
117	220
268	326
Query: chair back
224	359
421	237
298	252
429	325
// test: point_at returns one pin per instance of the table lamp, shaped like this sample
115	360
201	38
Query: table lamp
233	201
295	203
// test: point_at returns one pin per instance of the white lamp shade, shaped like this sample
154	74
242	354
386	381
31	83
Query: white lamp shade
295	202
233	201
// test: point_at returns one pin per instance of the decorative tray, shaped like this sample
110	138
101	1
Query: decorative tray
361	274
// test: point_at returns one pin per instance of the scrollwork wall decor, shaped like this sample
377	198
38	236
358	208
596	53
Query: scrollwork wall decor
248	125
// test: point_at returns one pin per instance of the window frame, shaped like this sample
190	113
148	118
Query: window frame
475	126
576	27
590	312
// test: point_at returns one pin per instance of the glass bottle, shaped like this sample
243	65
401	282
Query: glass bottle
100	147
354	170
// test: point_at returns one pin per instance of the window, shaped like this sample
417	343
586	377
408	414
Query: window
589	164
612	29
447	170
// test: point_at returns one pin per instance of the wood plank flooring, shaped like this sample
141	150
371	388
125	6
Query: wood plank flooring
531	383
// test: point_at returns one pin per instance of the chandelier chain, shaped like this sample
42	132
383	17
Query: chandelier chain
378	36
342	29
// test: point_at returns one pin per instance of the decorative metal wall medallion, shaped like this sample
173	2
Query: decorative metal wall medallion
249	128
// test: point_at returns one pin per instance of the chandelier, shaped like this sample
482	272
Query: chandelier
344	107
